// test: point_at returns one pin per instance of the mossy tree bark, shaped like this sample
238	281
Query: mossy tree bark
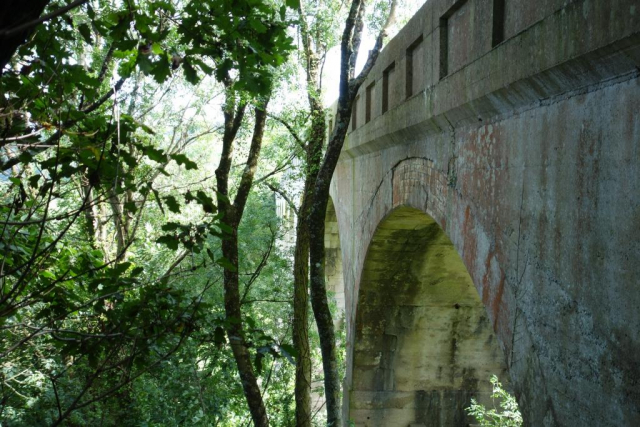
313	155
349	85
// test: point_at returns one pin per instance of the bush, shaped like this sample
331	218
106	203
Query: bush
508	415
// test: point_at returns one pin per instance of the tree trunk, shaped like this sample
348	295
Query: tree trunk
301	315
349	86
90	215
118	224
232	215
313	151
301	267
235	331
319	302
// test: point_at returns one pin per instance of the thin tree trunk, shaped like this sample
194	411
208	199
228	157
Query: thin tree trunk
90	215
235	333
349	86
301	315
118	224
301	272
313	151
320	304
232	215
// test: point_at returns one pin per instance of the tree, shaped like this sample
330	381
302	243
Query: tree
81	170
312	152
100	246
349	85
232	212
316	27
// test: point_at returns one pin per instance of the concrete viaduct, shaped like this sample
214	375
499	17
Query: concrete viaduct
486	216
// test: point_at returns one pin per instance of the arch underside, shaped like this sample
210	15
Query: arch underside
424	345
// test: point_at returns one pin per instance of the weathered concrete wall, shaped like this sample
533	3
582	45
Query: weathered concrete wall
529	146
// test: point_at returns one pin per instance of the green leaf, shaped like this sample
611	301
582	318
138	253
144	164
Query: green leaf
144	62
172	204
85	32
155	154
207	202
190	72
226	264
157	49
90	12
131	207
211	255
182	159
120	268
289	352
169	241
203	66
127	66
225	227
48	275
170	226
258	362
97	253
219	337
258	26
161	70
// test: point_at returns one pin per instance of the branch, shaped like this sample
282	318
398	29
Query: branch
278	169
291	130
175	264
284	196
356	39
346	49
232	120
310	55
251	301
263	262
91	108
18	138
373	54
43	18
252	159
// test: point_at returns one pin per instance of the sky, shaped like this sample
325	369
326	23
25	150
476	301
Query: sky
331	76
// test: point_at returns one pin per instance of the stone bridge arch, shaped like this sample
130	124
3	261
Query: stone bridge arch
424	344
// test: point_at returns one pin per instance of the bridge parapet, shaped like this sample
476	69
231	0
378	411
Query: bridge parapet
464	61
